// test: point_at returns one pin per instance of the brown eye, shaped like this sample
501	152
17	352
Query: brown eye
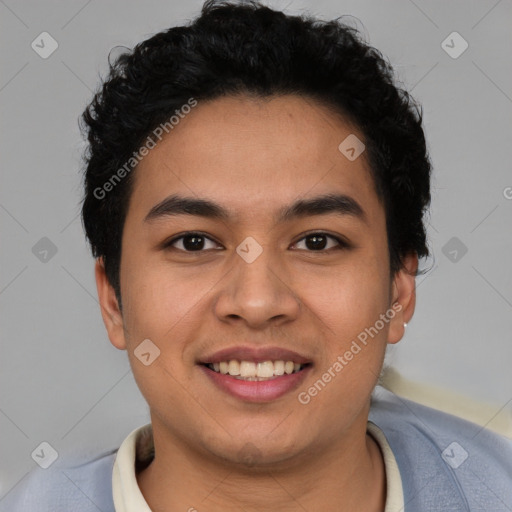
198	242
317	242
190	242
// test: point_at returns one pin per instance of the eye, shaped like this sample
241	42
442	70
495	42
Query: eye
189	242
198	242
317	242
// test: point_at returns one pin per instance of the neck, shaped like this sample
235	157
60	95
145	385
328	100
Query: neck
348	475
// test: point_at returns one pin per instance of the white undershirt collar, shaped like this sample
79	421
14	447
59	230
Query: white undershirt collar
128	497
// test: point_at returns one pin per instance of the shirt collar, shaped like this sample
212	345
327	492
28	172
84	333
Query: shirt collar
137	451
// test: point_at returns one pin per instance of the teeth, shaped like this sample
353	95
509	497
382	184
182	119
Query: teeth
265	369
278	367
251	371
247	369
234	367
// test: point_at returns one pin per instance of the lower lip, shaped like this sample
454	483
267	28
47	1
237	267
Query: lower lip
257	391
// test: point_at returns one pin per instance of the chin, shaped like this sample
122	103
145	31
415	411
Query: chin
258	452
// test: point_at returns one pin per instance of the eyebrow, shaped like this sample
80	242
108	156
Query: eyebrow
327	204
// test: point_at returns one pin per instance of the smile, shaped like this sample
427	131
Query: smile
255	371
248	386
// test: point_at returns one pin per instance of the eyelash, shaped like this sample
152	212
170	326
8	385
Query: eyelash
342	244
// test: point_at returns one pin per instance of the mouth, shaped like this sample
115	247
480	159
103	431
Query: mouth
256	375
251	371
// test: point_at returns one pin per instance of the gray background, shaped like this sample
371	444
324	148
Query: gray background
62	382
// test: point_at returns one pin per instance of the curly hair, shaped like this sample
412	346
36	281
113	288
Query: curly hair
248	48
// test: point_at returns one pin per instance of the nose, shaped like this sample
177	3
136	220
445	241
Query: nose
257	293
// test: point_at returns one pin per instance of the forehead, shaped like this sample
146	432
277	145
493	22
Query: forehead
253	156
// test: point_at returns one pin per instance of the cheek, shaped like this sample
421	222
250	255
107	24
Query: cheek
350	304
164	303
347	306
348	299
159	306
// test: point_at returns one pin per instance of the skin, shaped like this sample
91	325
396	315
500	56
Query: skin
254	156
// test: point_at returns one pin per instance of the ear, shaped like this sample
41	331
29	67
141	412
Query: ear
403	297
112	316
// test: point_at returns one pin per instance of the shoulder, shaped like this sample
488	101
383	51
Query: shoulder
80	487
444	459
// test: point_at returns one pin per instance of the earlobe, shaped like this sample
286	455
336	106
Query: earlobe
403	297
110	311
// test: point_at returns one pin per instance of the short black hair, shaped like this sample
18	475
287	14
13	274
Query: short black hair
248	48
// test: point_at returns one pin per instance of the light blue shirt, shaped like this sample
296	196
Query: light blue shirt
446	464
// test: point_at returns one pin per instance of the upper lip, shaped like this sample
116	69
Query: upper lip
258	355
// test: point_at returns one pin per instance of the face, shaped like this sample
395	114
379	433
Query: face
262	282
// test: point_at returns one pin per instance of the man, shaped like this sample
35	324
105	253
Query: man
254	195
